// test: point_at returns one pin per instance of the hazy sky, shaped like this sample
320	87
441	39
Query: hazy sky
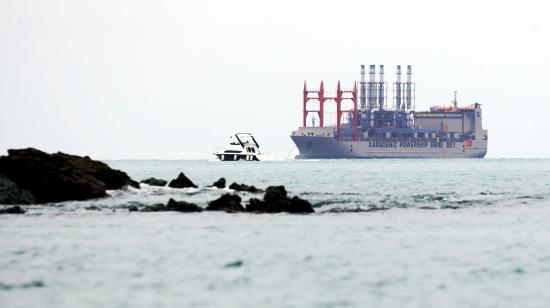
173	79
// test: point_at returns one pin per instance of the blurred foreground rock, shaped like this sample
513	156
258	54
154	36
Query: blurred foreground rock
40	177
10	193
12	210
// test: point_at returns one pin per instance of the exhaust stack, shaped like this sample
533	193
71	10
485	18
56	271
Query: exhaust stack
372	87
363	94
455	101
381	88
398	89
408	91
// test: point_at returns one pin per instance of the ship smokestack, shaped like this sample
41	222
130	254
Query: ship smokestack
381	88
363	94
408	91
455	101
372	87
398	89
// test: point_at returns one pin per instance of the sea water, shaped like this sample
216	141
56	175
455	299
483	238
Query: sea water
386	233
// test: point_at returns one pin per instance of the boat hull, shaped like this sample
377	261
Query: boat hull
236	157
318	147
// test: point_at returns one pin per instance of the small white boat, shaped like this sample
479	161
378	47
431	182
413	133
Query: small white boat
242	146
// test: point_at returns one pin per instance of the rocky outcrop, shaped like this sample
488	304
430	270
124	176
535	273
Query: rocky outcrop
276	201
182	206
181	182
61	177
171	206
244	187
12	210
10	193
154	182
275	193
219	183
227	202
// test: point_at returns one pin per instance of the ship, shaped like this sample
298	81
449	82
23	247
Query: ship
367	127
242	146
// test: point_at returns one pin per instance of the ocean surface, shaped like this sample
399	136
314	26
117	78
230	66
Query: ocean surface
386	233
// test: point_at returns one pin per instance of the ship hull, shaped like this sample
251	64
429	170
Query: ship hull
318	147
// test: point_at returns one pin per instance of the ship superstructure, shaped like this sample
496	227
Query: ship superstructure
366	127
242	146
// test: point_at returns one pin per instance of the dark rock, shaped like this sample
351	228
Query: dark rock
257	205
132	208
61	177
154	182
157	207
299	205
12	210
228	202
273	193
112	178
377	209
181	182
182	206
219	183
134	184
93	208
244	187
172	206
452	207
10	193
339	210
276	201
27	285
237	263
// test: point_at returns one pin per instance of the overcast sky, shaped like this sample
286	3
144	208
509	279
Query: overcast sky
173	79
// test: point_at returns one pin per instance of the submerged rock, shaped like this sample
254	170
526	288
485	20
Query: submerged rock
27	285
234	264
227	202
157	207
93	208
61	177
171	206
182	182
276	201
154	182
339	210
12	210
219	183
182	206
244	187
